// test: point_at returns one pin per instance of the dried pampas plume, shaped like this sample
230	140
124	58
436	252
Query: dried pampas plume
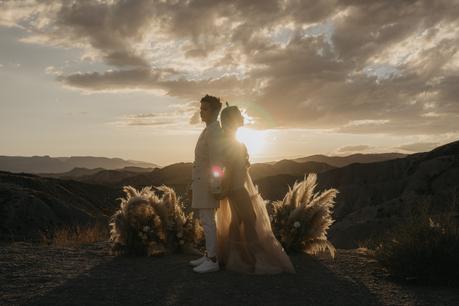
154	224
301	220
148	224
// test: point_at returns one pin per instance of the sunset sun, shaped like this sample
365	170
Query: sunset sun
254	140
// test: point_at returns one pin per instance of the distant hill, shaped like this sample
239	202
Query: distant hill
377	196
179	174
275	187
78	172
46	164
341	161
288	167
176	175
373	197
30	205
74	173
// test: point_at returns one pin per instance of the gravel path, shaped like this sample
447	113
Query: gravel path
33	274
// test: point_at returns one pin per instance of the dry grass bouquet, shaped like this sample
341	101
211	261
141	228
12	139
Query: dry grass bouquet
301	220
149	224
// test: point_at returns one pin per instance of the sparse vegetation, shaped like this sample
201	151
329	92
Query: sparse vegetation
425	249
76	235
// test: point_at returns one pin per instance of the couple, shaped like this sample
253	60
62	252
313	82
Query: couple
236	224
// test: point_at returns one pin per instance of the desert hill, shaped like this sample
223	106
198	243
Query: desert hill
47	164
30	205
180	173
78	172
287	167
341	161
373	196
74	173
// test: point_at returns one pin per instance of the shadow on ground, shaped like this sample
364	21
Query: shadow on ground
170	281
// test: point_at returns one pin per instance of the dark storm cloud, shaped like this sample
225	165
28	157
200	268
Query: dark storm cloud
109	29
312	64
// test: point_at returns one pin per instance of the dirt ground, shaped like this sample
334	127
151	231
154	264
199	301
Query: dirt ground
32	274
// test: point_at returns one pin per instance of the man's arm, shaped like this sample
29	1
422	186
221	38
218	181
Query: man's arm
215	146
216	153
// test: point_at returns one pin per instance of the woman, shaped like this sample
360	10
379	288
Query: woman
246	242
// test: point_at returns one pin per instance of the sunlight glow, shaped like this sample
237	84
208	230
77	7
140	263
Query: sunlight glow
253	139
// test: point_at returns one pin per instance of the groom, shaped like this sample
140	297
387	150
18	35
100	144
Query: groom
207	158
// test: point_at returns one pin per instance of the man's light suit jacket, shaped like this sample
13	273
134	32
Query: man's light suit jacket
208	153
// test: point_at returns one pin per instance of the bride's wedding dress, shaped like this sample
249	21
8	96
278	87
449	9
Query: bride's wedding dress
246	242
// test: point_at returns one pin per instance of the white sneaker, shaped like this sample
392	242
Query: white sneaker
207	266
198	261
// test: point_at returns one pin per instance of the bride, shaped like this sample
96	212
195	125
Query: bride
246	242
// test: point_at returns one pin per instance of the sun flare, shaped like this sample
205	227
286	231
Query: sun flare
253	139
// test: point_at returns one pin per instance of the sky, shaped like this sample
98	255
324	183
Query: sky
124	78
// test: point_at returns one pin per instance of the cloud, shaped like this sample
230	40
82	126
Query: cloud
419	146
177	117
52	70
196	118
162	120
352	67
113	80
354	149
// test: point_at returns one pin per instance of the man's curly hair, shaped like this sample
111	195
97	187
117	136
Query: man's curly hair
214	102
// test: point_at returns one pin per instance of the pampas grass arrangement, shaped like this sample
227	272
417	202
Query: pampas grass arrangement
153	225
301	220
148	224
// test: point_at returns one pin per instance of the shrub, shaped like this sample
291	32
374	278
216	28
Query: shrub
423	250
76	235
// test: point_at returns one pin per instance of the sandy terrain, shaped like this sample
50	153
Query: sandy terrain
32	274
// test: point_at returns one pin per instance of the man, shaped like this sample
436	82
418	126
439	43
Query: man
207	163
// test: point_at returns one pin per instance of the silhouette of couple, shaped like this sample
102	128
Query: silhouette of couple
236	224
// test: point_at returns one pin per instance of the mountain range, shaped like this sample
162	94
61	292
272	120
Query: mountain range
341	161
373	196
47	164
376	197
75	166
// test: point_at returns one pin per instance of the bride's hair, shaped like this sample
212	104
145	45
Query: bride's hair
231	117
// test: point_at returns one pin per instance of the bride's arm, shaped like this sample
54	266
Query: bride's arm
226	181
232	163
228	172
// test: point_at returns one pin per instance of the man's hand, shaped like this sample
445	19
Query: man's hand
219	196
224	193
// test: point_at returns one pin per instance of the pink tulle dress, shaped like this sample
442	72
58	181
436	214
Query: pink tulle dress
246	242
